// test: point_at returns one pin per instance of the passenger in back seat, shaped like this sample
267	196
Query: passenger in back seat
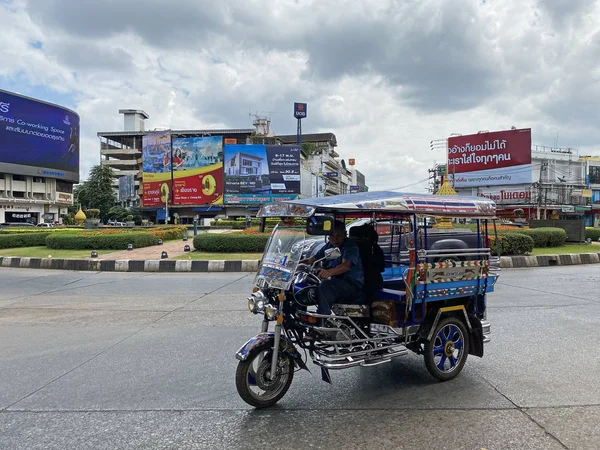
373	259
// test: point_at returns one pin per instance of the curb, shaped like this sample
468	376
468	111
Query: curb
569	259
246	265
130	265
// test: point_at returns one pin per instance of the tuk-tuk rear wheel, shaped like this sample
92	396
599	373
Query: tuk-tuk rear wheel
446	353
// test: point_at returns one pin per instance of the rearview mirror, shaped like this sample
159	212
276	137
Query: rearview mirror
319	225
332	253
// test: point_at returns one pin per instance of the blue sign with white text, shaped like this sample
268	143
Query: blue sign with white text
40	136
300	110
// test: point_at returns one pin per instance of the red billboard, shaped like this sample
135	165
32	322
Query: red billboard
490	158
198	170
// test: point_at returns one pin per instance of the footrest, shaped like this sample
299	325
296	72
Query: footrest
350	310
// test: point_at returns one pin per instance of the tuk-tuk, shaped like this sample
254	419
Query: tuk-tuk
431	302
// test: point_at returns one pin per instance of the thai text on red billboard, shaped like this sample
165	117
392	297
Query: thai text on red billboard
198	170
490	158
489	150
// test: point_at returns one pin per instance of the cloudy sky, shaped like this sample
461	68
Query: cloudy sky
386	76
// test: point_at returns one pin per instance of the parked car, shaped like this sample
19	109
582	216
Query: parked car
45	225
16	224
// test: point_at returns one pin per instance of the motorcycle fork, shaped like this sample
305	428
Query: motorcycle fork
277	337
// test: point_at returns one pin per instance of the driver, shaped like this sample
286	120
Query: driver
342	279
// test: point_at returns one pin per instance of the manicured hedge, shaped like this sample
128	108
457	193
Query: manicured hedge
23	240
592	233
546	236
513	244
230	243
101	242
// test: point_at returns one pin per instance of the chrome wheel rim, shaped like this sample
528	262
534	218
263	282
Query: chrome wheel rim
258	379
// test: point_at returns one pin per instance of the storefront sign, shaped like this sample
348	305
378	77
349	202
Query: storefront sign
25	208
64	198
504	196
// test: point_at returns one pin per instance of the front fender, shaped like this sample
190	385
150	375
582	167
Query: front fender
287	348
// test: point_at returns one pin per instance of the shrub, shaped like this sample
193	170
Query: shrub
516	244
100	241
592	233
546	236
23	240
168	233
498	248
92	213
229	243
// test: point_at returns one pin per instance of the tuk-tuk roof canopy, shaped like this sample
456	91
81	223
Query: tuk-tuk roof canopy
385	201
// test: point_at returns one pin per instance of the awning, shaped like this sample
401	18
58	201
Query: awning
207	208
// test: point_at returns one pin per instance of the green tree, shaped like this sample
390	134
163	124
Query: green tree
97	192
309	148
117	213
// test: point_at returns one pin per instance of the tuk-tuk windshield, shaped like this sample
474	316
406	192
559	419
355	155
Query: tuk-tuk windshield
281	257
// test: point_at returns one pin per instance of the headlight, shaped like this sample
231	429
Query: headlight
271	312
256	302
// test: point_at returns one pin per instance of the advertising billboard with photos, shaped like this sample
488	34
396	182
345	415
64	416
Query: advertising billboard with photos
257	174
126	187
198	170
156	168
38	138
490	159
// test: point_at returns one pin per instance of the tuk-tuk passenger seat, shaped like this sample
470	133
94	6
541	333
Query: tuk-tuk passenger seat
390	295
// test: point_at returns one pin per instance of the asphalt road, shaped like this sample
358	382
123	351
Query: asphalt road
142	360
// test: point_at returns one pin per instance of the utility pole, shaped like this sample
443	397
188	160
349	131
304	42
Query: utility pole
539	199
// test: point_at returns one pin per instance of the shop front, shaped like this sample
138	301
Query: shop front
16	213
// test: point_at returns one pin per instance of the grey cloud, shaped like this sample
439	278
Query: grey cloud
92	55
563	12
432	51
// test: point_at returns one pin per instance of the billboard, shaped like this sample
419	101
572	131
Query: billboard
126	187
198	170
156	168
490	159
38	138
261	173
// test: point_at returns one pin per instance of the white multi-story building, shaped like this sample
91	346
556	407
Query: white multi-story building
323	173
556	188
33	199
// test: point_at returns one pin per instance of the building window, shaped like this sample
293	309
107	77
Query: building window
17	194
18	177
595	174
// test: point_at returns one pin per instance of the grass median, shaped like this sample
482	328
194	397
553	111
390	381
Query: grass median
567	248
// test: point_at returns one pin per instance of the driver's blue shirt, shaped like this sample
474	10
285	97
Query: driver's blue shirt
349	251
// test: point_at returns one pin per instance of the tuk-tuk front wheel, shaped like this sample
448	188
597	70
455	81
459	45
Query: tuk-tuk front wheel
446	352
253	378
